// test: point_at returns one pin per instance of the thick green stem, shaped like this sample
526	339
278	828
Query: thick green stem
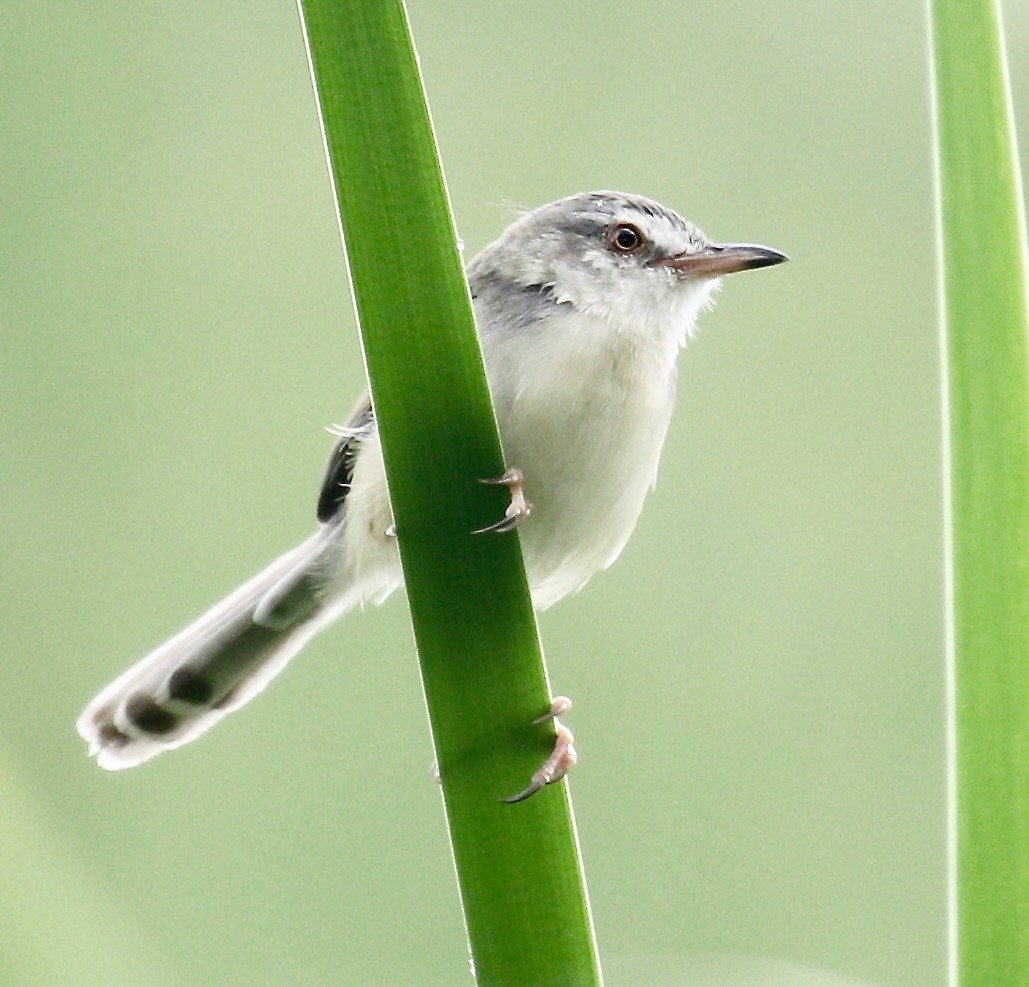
986	357
518	868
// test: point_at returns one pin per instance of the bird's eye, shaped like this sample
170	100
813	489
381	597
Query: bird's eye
626	238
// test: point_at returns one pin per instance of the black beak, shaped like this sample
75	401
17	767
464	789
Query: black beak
717	259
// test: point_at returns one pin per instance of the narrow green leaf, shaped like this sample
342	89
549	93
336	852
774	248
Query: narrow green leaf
520	878
986	357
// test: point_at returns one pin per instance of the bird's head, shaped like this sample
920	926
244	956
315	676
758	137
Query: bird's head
621	257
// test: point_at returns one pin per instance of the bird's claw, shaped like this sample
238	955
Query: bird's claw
561	760
519	508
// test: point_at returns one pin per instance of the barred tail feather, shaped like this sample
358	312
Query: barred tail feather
218	663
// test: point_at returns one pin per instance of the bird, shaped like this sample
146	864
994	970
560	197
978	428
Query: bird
582	307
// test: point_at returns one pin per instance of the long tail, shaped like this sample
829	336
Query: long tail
218	663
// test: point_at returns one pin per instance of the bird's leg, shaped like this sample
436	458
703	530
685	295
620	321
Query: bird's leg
519	508
563	758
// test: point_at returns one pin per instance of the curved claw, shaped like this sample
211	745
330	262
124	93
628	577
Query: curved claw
559	705
560	762
517	511
512	477
507	523
533	787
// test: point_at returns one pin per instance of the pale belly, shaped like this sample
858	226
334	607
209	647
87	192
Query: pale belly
586	429
584	425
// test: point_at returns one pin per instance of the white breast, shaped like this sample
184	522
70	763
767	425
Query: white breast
583	410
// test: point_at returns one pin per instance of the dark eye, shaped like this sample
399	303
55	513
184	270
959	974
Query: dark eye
626	238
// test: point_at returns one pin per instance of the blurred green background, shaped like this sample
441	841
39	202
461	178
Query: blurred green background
758	682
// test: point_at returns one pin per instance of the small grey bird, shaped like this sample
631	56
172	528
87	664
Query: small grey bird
582	307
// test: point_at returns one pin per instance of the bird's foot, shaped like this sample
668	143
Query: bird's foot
519	508
563	758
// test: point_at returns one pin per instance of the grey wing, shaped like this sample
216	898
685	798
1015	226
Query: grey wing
340	469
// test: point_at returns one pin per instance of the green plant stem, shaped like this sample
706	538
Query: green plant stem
518	868
986	356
